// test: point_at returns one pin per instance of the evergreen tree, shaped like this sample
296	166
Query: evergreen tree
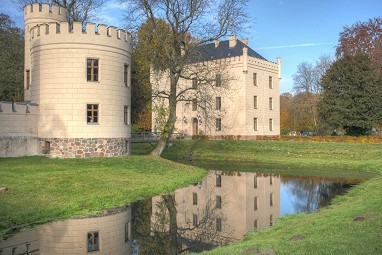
352	95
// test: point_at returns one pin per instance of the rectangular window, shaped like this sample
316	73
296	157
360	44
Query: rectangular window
218	180
218	224
92	69
194	219
271	197
271	179
92	113
270	82
28	79
93	241
127	232
126	115
218	80
194	198
218	103
194	83
255	224
270	103
255	102
194	104
255	124
255	182
271	220
218	202
218	124
126	74
271	124
255	203
254	79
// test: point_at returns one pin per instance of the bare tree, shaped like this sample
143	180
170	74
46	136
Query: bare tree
176	43
79	10
307	81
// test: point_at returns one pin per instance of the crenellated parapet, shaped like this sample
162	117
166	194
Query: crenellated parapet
91	34
18	108
40	13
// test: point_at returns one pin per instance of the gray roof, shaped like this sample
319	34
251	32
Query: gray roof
210	52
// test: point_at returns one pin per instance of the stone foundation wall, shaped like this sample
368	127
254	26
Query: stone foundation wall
85	147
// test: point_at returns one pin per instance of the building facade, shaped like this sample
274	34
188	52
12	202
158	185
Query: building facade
243	98
77	81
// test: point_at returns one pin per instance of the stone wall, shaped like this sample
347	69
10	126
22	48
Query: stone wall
84	147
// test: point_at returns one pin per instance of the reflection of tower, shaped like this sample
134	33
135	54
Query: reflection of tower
235	203
102	235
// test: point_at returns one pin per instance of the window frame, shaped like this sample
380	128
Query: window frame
256	203
271	82
194	83
93	77
92	116
218	180
194	219
218	103
27	79
194	198
95	242
218	202
255	102
254	79
271	103
270	124
126	115
255	124
126	74
194	104
218	80
218	224
218	124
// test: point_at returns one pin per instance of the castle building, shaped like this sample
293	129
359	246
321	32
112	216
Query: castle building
243	93
76	87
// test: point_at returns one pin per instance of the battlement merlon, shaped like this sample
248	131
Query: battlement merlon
42	13
65	33
18	108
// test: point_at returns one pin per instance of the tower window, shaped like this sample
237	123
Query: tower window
218	103
255	79
126	74
28	79
93	241
218	80
218	124
92	113
92	72
194	83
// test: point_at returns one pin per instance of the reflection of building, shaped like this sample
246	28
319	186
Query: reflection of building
102	235
229	203
240	97
77	89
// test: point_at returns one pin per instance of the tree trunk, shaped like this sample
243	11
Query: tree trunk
168	129
173	231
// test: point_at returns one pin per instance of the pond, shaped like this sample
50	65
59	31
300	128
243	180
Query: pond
220	209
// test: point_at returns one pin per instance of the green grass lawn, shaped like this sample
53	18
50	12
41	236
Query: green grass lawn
330	230
43	189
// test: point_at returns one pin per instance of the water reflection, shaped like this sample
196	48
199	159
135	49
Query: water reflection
220	209
223	208
99	235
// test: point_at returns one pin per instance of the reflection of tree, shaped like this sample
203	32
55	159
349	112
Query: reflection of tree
156	231
313	193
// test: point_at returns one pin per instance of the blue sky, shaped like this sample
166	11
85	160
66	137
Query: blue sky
295	30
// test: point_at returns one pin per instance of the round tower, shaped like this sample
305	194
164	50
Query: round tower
81	80
35	14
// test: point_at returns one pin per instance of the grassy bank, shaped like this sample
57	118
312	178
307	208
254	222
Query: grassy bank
351	225
42	189
284	157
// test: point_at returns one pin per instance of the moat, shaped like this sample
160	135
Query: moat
218	210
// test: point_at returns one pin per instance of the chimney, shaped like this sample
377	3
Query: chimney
245	41
216	43
232	41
